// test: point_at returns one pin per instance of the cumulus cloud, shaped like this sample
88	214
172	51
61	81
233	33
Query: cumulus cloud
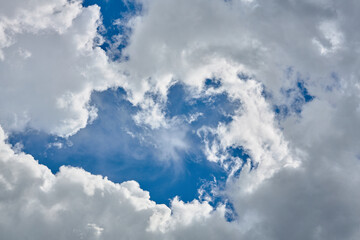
50	64
171	41
304	183
74	204
318	200
305	160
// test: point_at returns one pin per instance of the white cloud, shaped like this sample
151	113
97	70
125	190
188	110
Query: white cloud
47	88
192	40
318	200
73	204
266	37
50	65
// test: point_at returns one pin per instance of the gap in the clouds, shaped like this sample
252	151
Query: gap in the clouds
241	153
215	83
205	110
116	147
296	97
114	28
292	98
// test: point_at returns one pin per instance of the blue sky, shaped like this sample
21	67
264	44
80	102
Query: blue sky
112	145
191	119
106	146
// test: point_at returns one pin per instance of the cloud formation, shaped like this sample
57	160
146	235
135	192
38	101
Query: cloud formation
301	178
50	64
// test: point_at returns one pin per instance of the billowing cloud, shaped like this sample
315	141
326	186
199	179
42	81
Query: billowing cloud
73	204
301	178
318	200
50	64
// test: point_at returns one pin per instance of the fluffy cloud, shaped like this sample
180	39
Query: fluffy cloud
174	40
193	40
318	200
73	204
304	185
50	64
171	40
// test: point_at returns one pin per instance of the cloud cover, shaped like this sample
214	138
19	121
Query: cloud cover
305	182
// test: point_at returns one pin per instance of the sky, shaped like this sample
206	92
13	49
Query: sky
192	119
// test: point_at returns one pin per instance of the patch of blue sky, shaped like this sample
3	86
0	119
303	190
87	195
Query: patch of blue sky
210	110
304	92
215	83
114	146
115	14
114	9
241	153
296	97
